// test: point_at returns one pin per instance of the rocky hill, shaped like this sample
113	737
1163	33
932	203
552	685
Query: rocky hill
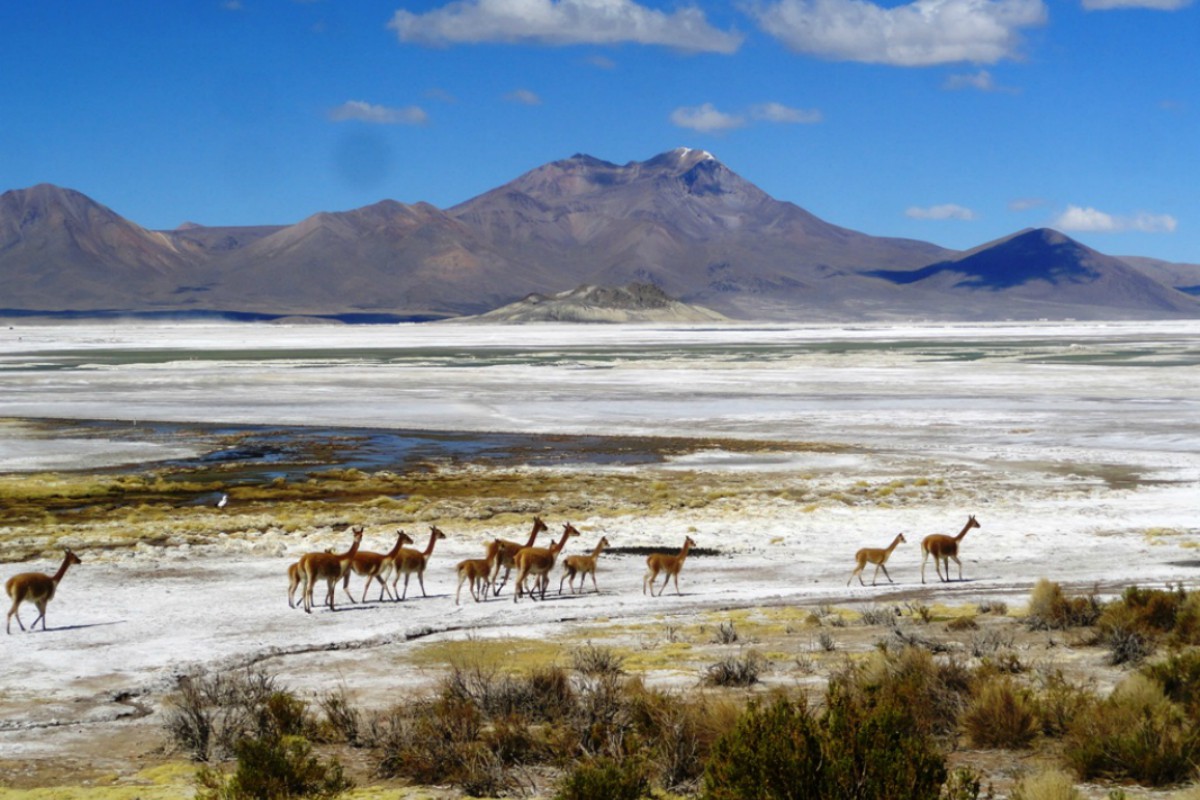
681	221
638	302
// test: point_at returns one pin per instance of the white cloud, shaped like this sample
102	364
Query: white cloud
562	22
1025	203
778	112
360	111
602	62
1090	220
921	33
706	119
524	96
1156	5
982	81
944	211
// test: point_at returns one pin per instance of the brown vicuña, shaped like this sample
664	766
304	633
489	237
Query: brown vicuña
943	548
374	567
501	553
582	566
478	571
328	567
877	556
408	561
538	561
670	565
36	588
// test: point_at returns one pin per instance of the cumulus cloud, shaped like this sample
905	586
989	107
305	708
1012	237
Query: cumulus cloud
1156	5
523	96
943	211
921	33
706	119
1091	220
562	22
360	111
778	112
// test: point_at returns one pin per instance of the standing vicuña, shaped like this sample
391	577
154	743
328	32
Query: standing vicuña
372	565
408	561
501	552
876	556
328	567
582	566
476	570
943	548
36	588
538	561
668	564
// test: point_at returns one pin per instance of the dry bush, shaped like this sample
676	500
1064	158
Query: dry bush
1001	715
343	721
678	732
1060	702
1050	784
935	690
1051	609
593	660
879	615
274	768
212	712
726	633
998	608
1135	734
735	671
962	624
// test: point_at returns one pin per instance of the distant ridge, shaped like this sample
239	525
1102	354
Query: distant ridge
1044	267
638	302
682	222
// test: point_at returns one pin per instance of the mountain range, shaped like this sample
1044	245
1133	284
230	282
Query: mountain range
682	222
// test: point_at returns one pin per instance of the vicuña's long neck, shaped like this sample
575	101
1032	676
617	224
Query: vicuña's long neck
557	547
62	568
353	549
683	552
396	547
963	532
892	546
598	548
433	537
533	535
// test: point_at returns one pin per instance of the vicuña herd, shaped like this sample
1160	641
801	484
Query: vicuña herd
482	575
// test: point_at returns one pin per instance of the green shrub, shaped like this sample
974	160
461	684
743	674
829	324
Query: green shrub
1135	734
1179	677
878	750
773	752
1001	715
274	768
604	778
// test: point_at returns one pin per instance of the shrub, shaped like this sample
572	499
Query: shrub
735	671
935	691
879	615
1001	715
1050	784
1179	677
604	778
726	633
1060	703
212	712
772	753
1050	609
274	768
342	719
677	734
1135	734
592	660
876	749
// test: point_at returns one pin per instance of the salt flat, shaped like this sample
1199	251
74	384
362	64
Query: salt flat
1076	445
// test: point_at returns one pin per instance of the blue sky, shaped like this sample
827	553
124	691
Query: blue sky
952	121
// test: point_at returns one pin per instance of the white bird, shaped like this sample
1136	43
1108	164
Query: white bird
224	499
